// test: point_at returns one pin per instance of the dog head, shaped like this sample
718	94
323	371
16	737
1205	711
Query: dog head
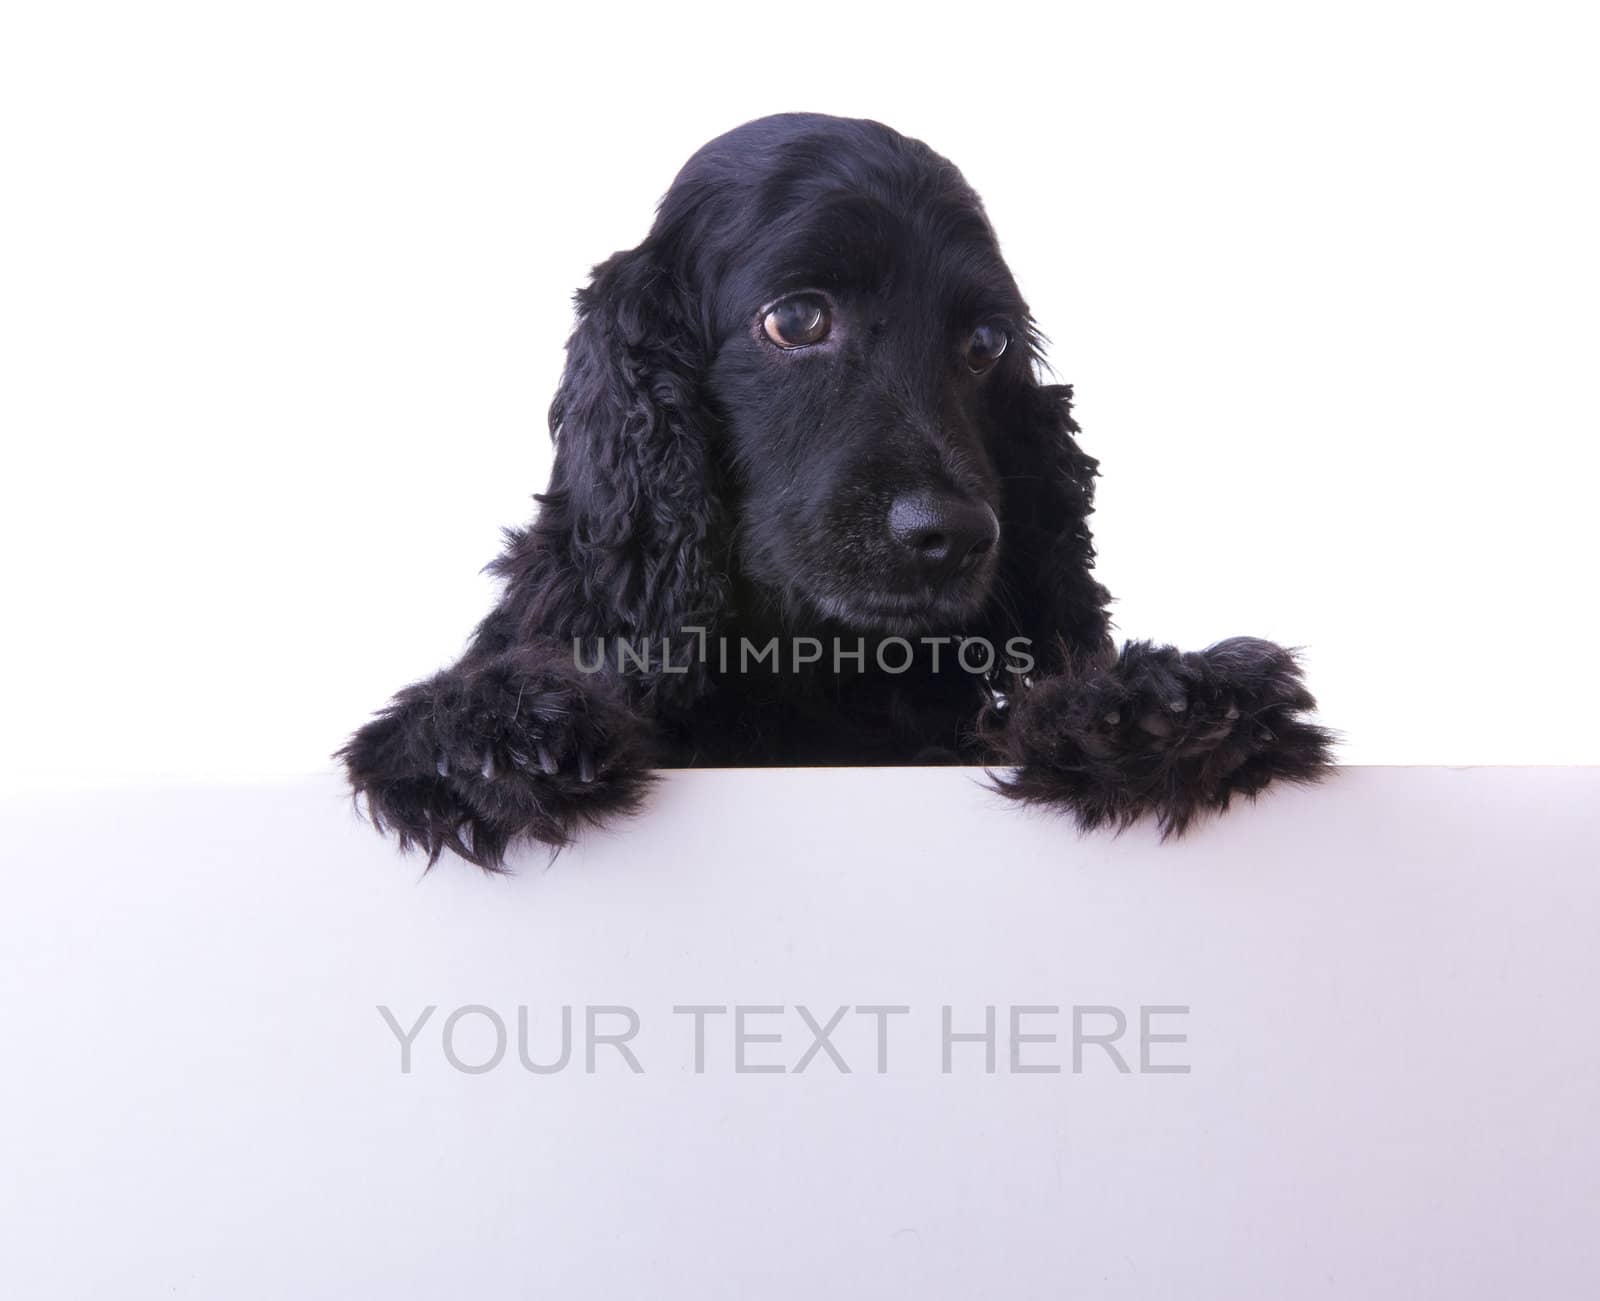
816	378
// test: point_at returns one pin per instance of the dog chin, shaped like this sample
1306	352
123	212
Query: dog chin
902	614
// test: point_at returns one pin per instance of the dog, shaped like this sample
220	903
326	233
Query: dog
805	419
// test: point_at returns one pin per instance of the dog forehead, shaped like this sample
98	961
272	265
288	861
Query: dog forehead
842	238
850	240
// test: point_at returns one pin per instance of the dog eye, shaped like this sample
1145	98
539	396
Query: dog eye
985	346
797	321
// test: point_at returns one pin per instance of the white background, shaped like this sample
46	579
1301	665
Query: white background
283	289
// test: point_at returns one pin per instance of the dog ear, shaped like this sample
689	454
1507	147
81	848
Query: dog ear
625	545
1048	553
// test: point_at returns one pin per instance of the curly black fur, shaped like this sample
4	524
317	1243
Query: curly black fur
711	485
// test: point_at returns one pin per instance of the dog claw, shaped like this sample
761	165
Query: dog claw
585	767
442	766
547	763
1113	718
488	766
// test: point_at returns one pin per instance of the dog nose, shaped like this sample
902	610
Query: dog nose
942	533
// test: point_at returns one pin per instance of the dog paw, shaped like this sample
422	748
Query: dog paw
496	723
1164	732
521	742
518	749
1224	703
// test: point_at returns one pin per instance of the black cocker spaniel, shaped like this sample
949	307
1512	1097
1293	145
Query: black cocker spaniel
811	504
